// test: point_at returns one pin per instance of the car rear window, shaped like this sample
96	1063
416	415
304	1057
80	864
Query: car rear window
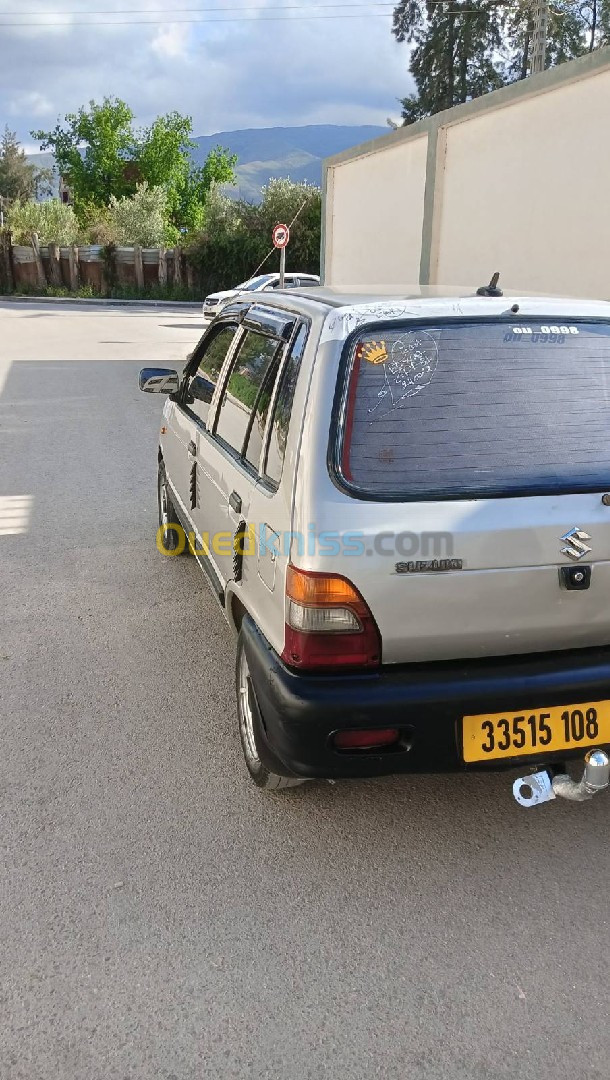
478	409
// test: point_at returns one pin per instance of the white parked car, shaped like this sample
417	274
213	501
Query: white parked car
215	302
403	508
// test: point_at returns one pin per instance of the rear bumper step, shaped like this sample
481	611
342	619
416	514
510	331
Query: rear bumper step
299	714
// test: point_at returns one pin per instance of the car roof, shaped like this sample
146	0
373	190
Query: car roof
445	301
289	273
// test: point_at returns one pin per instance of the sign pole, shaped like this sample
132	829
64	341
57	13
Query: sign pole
280	237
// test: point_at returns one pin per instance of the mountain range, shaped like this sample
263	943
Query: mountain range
263	153
295	152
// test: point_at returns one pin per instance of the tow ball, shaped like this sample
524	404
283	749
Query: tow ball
541	787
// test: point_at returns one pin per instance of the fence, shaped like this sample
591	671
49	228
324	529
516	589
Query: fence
39	266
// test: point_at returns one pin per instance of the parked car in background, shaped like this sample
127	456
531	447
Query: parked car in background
215	302
403	508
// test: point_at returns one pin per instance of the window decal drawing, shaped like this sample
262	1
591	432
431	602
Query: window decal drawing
407	369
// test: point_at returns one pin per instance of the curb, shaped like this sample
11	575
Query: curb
169	305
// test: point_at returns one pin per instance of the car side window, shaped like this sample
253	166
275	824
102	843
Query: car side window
202	383
246	387
276	450
254	444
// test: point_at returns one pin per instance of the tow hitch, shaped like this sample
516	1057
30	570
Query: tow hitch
541	787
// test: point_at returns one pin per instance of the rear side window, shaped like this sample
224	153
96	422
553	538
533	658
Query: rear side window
258	422
248	389
283	407
479	409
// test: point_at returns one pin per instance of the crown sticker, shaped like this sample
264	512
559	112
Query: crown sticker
375	352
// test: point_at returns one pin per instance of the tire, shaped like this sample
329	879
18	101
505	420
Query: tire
261	776
169	539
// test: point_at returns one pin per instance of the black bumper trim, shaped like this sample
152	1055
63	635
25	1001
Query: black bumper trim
299	713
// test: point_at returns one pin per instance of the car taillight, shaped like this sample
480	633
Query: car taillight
328	624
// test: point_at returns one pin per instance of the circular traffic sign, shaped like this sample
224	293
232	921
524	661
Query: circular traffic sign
281	236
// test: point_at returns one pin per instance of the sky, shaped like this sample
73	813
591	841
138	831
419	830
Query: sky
251	63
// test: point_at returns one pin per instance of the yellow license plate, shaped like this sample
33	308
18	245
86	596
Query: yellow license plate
535	731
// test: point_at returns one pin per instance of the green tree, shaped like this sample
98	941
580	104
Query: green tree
19	178
566	36
163	156
92	152
282	201
454	55
236	237
101	156
465	48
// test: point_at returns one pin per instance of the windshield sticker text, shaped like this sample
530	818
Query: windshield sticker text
546	335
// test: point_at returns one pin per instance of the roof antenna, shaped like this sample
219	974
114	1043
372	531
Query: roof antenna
491	289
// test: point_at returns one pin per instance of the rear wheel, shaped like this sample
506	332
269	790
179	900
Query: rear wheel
171	534
262	776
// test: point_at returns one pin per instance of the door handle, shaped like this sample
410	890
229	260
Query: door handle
192	448
235	502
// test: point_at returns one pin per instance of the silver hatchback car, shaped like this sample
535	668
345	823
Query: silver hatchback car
402	505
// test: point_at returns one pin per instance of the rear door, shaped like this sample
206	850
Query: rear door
476	460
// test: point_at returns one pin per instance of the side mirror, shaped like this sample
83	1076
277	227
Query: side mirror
156	380
201	389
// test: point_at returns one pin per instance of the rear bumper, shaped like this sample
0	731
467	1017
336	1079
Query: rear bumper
298	714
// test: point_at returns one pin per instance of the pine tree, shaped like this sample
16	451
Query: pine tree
19	179
455	53
465	48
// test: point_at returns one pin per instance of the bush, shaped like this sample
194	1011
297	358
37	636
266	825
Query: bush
96	225
141	219
155	292
236	237
54	222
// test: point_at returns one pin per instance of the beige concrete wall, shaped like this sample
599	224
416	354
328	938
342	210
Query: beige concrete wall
516	181
374	217
526	190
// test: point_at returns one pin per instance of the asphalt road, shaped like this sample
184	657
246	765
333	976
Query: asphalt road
160	917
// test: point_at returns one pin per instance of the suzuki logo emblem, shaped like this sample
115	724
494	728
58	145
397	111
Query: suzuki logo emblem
575	548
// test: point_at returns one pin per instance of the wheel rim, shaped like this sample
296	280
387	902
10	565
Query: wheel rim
246	718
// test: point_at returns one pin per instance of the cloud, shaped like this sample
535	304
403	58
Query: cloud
31	103
171	41
251	71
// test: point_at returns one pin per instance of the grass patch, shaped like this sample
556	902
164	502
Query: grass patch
119	292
